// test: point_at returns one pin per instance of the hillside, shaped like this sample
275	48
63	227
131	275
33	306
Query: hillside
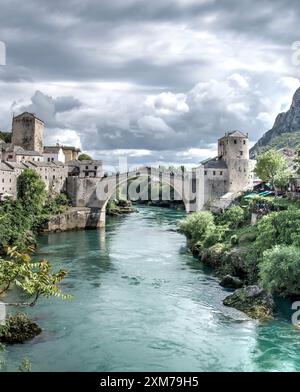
286	140
286	125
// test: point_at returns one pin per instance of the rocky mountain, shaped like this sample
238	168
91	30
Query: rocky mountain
285	123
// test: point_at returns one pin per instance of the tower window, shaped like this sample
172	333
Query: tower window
244	142
235	142
241	152
205	172
214	173
221	173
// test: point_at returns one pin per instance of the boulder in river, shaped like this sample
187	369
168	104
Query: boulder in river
18	329
252	300
231	282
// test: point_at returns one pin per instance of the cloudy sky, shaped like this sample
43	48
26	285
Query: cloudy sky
156	81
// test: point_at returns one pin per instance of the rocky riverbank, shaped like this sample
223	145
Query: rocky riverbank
250	299
119	207
75	218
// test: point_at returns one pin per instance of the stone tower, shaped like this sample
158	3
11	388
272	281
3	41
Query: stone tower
28	132
233	148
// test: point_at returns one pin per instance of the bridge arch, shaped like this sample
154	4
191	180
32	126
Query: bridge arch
96	192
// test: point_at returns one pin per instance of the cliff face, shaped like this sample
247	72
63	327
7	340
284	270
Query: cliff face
285	123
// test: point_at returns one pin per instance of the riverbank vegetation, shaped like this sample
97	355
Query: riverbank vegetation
266	254
255	243
19	224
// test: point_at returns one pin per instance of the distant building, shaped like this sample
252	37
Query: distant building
28	132
12	153
54	154
8	181
71	153
90	169
231	171
85	169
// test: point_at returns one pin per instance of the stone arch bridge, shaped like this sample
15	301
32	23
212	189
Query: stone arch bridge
96	192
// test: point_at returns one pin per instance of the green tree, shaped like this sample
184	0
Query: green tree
198	225
31	192
84	157
278	228
280	270
272	167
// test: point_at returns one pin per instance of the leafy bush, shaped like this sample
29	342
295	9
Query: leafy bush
234	216
15	225
216	236
198	225
18	328
278	228
56	205
31	192
280	270
84	157
234	240
213	256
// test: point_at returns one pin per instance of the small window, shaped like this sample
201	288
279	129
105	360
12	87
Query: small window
96	167
86	168
53	177
48	159
214	173
235	141
221	173
86	174
205	172
45	177
241	153
52	159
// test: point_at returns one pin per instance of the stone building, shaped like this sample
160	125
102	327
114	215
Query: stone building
8	181
28	132
12	153
54	174
54	154
71	153
231	171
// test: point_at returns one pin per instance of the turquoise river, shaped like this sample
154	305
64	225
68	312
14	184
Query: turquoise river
143	303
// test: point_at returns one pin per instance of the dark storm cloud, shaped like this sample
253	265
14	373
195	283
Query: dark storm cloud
72	40
195	68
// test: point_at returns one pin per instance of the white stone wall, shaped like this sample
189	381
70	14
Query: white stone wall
28	158
8	182
215	183
54	157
